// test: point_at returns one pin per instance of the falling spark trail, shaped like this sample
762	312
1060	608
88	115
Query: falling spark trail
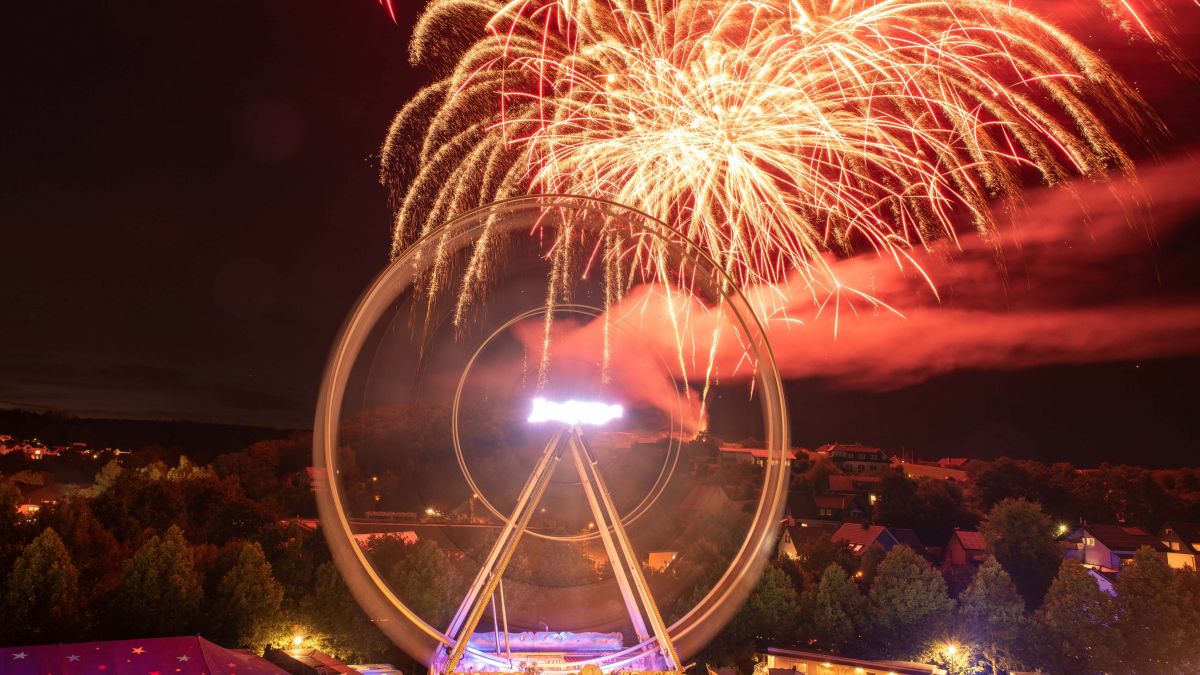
771	134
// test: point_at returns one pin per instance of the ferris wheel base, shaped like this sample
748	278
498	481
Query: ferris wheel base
555	653
560	664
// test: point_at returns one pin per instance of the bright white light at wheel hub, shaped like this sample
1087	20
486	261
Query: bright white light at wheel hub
594	413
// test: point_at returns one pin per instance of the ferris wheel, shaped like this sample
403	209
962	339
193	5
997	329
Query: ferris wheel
514	443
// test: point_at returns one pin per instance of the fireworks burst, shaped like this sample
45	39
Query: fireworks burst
771	133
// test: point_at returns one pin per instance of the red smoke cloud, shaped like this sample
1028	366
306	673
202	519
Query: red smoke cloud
1071	282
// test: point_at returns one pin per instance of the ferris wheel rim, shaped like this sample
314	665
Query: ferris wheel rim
695	626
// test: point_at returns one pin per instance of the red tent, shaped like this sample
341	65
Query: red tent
152	656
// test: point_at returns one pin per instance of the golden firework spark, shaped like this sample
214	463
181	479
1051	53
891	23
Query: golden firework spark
771	133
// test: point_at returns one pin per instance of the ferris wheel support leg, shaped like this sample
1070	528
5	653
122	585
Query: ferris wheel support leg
603	524
477	598
627	554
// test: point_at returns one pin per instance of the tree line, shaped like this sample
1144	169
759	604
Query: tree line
1025	607
182	548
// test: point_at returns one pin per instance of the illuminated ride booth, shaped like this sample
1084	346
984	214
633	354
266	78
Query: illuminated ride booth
515	464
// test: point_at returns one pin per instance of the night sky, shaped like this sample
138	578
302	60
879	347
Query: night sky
190	207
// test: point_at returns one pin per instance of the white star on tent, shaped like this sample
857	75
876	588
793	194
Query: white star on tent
183	658
19	655
73	657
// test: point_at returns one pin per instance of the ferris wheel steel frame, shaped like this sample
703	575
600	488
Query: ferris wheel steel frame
413	633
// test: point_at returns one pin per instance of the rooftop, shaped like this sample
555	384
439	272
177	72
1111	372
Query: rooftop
1121	538
970	540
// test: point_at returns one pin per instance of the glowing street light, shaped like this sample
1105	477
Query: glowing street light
594	413
297	640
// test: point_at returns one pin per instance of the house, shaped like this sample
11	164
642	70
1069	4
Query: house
35	450
855	458
860	536
791	661
918	470
837	507
737	453
34	498
966	548
1183	542
1108	547
659	561
954	462
794	536
856	485
1106	580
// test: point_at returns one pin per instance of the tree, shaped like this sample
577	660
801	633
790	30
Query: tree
12	535
40	604
1188	582
160	591
348	634
248	598
91	545
425	578
945	508
933	508
769	614
1076	627
105	479
815	554
836	609
773	606
992	614
994	482
1021	536
868	566
909	605
898	504
1151	616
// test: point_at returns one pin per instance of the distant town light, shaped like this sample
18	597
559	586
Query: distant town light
593	413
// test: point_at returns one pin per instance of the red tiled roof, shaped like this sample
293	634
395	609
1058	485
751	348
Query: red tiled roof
971	540
855	534
1119	538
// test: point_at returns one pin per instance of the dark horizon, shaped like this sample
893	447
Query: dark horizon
193	209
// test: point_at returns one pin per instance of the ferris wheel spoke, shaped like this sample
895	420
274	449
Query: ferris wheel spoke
610	548
621	540
465	620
